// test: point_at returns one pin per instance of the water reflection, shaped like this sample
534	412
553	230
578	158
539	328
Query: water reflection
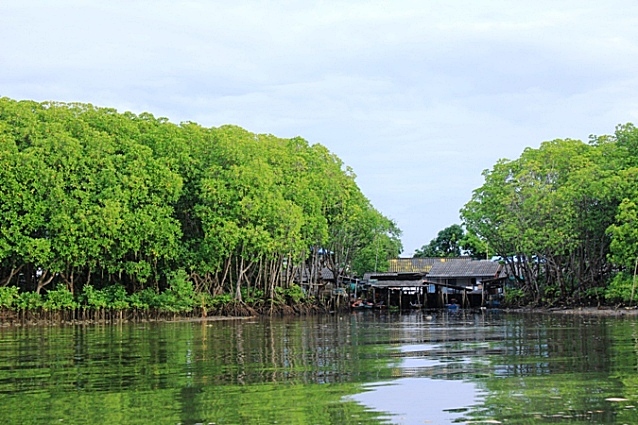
509	369
360	368
412	401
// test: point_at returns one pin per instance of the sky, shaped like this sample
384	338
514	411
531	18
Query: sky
418	97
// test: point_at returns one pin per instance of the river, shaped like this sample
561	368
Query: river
360	368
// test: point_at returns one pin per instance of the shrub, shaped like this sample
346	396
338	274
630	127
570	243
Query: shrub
180	295
620	289
294	294
219	301
29	301
8	296
116	297
93	298
59	298
514	296
145	299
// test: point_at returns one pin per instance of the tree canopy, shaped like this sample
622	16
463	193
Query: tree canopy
563	217
453	241
89	195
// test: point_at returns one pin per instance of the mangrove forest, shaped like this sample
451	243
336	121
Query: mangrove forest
103	212
564	218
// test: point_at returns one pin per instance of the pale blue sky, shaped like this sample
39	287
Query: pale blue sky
418	97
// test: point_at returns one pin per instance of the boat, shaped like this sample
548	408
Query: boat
361	305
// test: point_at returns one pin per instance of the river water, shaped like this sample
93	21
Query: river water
361	368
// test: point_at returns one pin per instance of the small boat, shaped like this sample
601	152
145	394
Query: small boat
361	305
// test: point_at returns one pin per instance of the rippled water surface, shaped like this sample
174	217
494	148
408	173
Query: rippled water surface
418	368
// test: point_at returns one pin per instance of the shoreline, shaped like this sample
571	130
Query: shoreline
583	311
603	311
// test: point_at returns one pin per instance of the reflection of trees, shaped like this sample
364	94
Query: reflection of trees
227	372
290	352
557	369
529	368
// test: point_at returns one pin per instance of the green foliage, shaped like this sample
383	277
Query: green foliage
220	301
59	299
514	297
29	301
622	289
454	241
446	244
9	296
112	297
547	214
90	194
294	293
253	296
116	297
179	296
93	298
145	299
475	247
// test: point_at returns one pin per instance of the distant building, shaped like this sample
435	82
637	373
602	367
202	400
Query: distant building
468	274
432	282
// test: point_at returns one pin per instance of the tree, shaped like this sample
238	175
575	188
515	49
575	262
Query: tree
93	196
448	243
546	215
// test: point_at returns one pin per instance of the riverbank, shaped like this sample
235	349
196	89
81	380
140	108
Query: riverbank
585	311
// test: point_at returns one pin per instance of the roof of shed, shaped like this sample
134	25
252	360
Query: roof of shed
398	283
421	265
392	276
327	274
476	268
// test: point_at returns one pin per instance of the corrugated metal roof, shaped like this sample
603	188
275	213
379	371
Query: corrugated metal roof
398	283
422	265
327	274
392	276
476	268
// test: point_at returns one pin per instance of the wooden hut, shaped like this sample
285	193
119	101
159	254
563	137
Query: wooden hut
462	280
398	290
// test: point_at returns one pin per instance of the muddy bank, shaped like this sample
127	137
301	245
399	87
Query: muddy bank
585	311
230	311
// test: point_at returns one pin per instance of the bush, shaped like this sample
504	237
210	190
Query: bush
514	296
59	298
180	295
294	294
112	297
93	298
220	301
253	296
29	301
8	296
145	299
203	300
620	289
116	297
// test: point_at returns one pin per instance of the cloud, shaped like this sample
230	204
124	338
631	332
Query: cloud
418	97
